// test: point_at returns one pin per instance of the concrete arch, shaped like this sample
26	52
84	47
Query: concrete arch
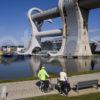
34	42
36	27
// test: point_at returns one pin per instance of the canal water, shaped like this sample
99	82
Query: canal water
25	67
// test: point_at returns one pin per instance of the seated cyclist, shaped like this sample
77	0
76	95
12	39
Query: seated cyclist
64	84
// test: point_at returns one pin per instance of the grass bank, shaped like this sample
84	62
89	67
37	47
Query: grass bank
51	74
93	96
83	72
17	80
98	54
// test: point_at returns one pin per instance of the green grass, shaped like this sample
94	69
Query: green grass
18	80
82	73
51	75
93	96
96	54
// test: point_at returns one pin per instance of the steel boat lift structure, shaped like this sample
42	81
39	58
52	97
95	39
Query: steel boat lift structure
74	15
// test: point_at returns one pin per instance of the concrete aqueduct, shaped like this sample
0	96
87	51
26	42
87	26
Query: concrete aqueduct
74	15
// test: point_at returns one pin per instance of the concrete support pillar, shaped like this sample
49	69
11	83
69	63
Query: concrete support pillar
77	40
75	36
85	40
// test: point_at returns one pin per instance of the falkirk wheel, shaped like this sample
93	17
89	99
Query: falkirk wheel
74	15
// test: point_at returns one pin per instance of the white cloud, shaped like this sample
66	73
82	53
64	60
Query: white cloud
9	40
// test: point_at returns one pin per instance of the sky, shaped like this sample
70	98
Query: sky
15	26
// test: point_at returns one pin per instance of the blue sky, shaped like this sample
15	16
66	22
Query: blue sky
14	22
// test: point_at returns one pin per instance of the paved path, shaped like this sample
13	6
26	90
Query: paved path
19	90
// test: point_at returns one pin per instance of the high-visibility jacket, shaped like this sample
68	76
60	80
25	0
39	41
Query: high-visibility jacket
42	74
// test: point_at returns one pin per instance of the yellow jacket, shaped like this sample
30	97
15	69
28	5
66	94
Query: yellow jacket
42	74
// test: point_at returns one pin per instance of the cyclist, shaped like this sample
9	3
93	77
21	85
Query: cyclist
43	75
63	83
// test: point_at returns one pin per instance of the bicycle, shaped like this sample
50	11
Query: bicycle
63	87
44	86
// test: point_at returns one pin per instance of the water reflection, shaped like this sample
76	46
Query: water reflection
55	65
11	68
34	63
74	65
24	67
